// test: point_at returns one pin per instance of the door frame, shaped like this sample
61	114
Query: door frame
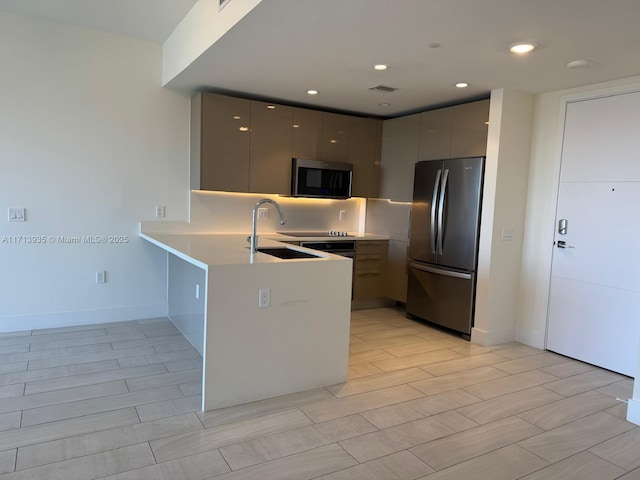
557	165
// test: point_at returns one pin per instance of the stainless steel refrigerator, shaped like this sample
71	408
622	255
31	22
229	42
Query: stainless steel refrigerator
443	248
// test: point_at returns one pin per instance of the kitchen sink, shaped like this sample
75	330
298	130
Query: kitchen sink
286	253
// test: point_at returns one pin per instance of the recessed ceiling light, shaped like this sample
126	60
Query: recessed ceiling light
462	84
580	64
295	125
236	117
271	107
244	129
522	47
312	92
380	66
384	104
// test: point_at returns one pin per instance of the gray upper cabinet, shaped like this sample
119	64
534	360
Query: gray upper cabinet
435	134
241	145
470	128
271	139
307	134
400	149
220	142
335	138
365	137
452	132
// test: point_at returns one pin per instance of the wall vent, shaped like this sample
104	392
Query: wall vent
383	88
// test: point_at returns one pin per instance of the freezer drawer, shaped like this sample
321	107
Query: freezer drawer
440	296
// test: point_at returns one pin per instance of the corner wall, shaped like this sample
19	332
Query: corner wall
89	143
503	209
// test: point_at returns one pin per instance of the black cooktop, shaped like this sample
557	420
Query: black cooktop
320	233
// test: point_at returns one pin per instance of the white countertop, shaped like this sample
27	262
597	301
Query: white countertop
206	249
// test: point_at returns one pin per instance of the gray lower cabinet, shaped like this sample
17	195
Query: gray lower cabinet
395	278
368	269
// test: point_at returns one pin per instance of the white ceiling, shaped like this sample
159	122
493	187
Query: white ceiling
284	47
152	20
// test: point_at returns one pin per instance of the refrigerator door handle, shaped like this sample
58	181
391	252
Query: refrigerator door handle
434	202
443	191
437	271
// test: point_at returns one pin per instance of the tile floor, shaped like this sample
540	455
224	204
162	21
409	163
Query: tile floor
120	401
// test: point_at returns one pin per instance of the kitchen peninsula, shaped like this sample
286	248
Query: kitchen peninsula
298	342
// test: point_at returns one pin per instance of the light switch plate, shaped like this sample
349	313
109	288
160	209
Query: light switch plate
507	235
263	213
17	215
101	276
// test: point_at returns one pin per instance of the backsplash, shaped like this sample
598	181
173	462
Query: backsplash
390	218
224	212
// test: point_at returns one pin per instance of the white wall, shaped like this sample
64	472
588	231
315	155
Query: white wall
89	143
544	171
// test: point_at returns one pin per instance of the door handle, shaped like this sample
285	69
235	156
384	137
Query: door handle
443	191
434	201
563	244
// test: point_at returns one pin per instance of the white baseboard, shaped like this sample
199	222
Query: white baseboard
13	323
531	337
492	337
633	411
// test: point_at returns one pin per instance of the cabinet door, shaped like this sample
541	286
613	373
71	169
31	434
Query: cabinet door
470	127
335	137
396	270
225	143
364	152
400	149
271	138
307	134
368	269
435	134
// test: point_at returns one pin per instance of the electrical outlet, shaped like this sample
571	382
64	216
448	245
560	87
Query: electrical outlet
342	215
17	215
197	291
263	213
507	235
264	297
160	211
101	276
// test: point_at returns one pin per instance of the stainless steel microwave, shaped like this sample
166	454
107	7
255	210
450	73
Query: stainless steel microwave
315	178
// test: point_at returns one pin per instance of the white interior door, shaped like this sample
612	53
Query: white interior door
594	304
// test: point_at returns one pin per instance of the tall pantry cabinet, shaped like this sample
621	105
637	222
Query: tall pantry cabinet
451	132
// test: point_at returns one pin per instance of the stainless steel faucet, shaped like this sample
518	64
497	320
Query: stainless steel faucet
253	239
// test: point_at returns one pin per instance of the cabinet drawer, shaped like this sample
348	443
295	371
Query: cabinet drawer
365	247
368	264
367	285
